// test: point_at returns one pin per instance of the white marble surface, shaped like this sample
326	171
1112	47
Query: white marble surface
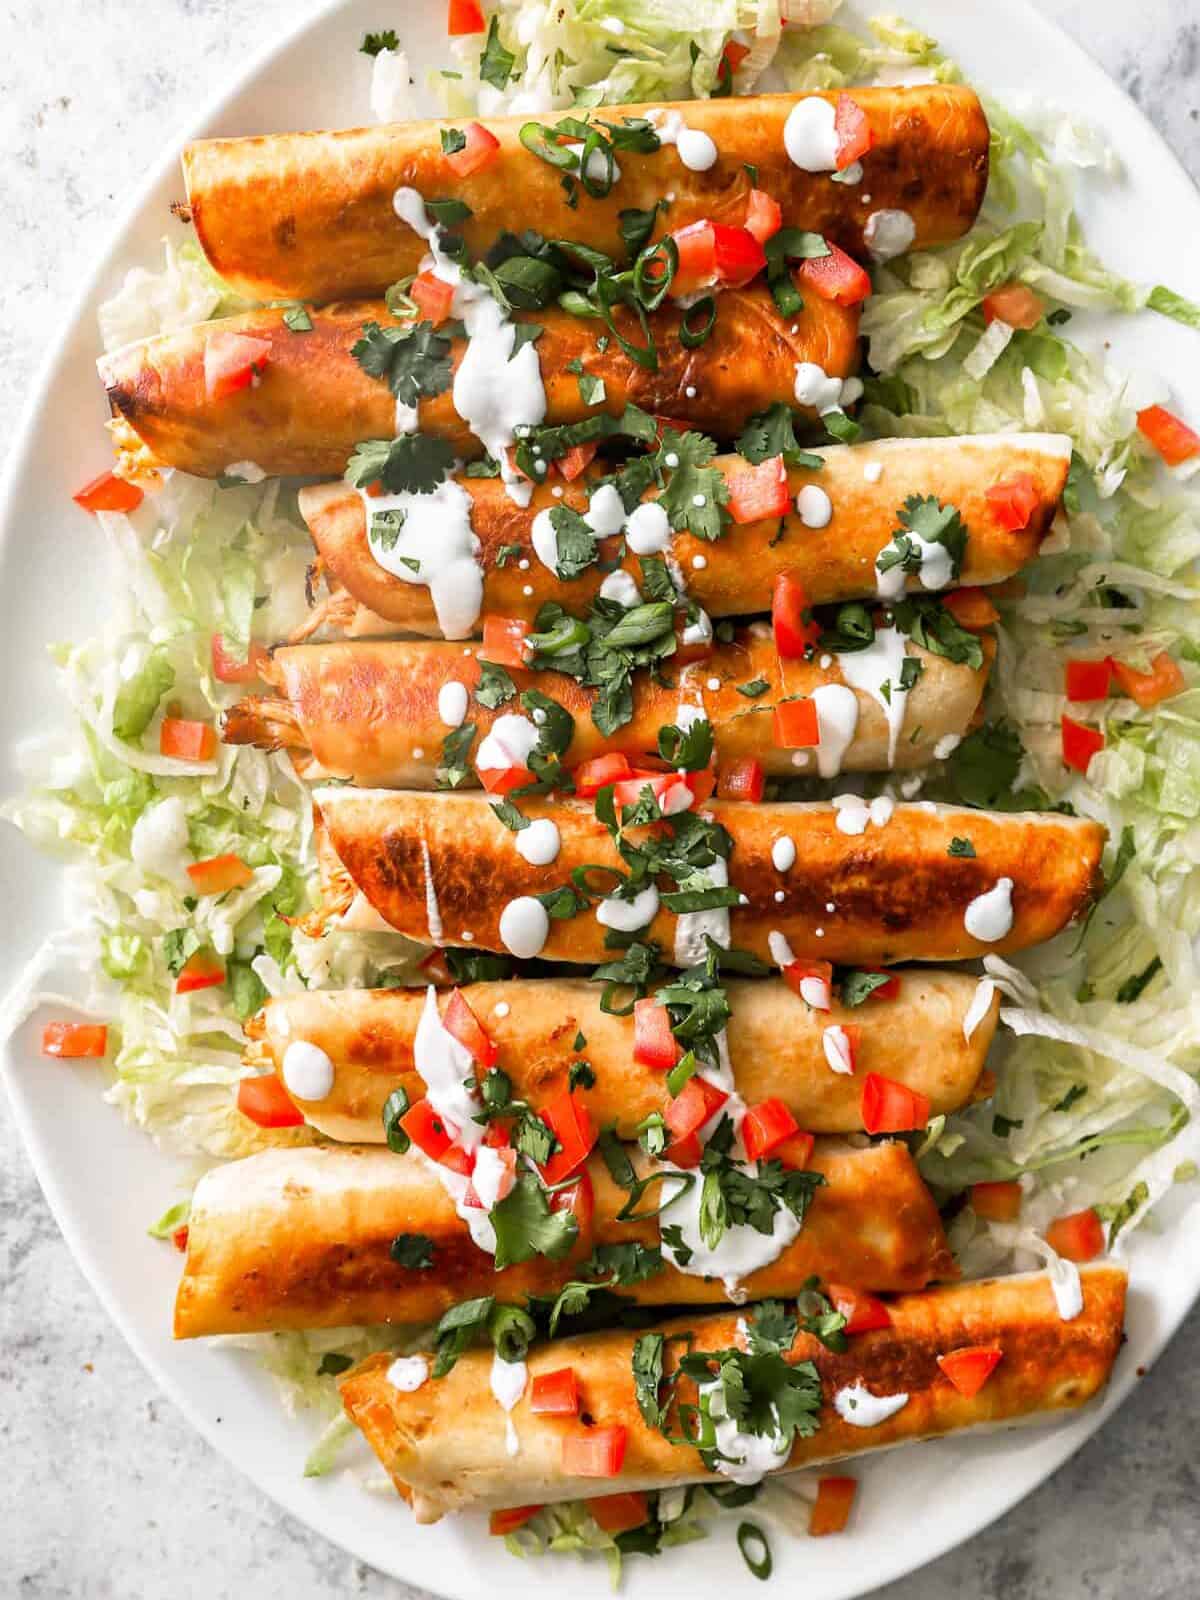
104	1489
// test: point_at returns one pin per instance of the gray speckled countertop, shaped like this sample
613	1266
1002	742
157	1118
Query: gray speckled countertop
105	1490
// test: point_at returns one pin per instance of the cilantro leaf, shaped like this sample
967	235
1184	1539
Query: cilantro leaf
297	319
647	1364
412	1250
690	748
526	1227
772	1330
496	63
752	690
412	361
454	768
373	43
453	140
773	433
513	818
332	1364
575	542
961	847
929	624
856	986
696	492
413	463
495	688
925	516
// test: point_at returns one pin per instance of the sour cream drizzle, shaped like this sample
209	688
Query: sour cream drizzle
436	549
881	663
989	917
307	1071
697	152
856	1405
508	1385
837	723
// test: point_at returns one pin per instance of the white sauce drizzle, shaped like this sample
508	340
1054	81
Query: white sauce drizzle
620	586
854	813
935	572
856	1405
508	1385
408	1373
740	1250
814	387
648	532
626	916
437	536
307	1071
838	1052
540	842
696	149
947	745
809	135
881	662
433	914
981	1001
989	917
814	506
692	926
873	471
452	704
837	723
745	1458
781	951
508	743
605	514
524	927
783	854
889	233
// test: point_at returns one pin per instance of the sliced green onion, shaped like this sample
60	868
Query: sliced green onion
690	336
749	1535
654	272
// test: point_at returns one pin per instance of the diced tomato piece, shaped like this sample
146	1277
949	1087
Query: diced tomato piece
764	215
1089	680
756	493
739	255
996	1202
555	1394
220	874
742	780
200	971
575	460
497	1135
433	297
593	775
792	618
685	1152
618	1513
970	1368
697	265
795	725
766	1125
886	991
1078	1237
460	1161
580	1200
596	1453
891	1107
504	640
971	609
231	362
852	130
1079	744
1013	501
674	791
863	1312
831	1509
839	1044
701	783
228	669
837	277
73	1041
435	967
502	780
462	1022
179	1239
691	1108
266	1102
654	1044
1148	688
795	1153
427	1130
187	741
1014	303
568	1119
1169	434
512	1518
108	493
732	57
466	16
812	981
479	152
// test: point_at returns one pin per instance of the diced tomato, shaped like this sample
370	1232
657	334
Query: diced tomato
863	1312
764	215
460	1161
891	1107
691	1108
1148	688
466	16
839	1044
435	967
575	460
654	1044
596	1453
266	1102
580	1200
756	493
108	493
462	1022
685	1152
1078	1237
792	619
732	57
970	1368
618	1513
498	1134
502	780
480	150
837	277
795	1153
231	362
766	1125
831	1509
795	725
512	1518
674	791
200	971
228	669
1089	680
852	130
1014	303
886	991
1013	501
427	1130
593	775
971	609
1079	744
701	783
568	1119
1169	434
432	295
72	1041
741	780
221	873
713	254
812	981
996	1202
187	741
696	650
504	640
180	1239
555	1394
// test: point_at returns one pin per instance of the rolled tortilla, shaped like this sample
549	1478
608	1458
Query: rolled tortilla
313	403
775	1041
867	485
444	1444
300	1239
310	216
368	711
442	869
